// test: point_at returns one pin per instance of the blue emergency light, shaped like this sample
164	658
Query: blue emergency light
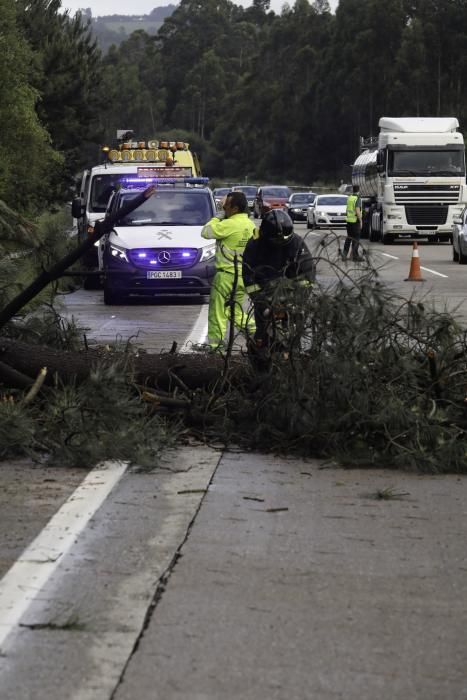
164	180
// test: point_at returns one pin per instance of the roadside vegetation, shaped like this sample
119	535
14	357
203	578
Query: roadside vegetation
363	377
369	378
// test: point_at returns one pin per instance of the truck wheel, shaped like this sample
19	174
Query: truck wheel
462	257
388	238
373	235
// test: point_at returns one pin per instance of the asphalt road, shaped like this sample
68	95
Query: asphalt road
234	576
156	324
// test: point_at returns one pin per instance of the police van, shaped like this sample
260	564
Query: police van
127	158
157	250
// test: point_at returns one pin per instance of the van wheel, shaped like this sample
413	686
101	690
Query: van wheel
92	282
111	297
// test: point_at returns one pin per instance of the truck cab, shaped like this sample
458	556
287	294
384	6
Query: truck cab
127	160
412	180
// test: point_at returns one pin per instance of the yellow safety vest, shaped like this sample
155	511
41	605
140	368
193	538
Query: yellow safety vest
351	214
231	236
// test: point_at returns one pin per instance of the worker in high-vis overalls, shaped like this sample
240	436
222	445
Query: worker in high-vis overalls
231	230
353	218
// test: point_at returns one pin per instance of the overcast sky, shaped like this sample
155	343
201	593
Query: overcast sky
144	7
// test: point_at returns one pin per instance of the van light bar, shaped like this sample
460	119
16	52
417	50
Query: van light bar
165	180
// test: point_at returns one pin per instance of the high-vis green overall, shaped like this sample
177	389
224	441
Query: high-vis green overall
231	237
352	225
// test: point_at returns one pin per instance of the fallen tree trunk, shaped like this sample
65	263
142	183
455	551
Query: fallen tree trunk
166	371
57	270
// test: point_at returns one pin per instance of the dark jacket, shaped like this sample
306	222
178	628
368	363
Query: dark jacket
265	261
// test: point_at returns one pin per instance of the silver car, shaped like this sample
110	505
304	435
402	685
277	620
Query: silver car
459	238
327	211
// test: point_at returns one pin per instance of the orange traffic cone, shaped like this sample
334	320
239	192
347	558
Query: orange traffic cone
415	274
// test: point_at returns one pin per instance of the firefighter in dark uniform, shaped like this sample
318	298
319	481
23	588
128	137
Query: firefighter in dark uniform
276	253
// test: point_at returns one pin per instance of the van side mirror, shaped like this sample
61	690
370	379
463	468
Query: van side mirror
77	208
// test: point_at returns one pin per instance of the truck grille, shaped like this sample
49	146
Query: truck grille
163	258
427	215
426	194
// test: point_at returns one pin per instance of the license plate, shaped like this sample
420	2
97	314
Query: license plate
163	274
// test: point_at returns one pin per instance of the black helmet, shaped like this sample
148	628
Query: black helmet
276	226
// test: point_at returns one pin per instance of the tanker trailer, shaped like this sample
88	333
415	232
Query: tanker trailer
365	175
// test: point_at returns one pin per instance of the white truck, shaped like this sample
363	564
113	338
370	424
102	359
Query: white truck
412	178
137	160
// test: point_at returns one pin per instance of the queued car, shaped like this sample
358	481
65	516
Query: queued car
459	238
270	197
327	211
219	193
250	193
297	206
157	249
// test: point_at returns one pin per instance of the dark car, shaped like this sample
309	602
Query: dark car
298	204
270	197
250	193
219	193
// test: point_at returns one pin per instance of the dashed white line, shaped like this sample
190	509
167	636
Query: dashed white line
199	331
433	272
29	574
426	269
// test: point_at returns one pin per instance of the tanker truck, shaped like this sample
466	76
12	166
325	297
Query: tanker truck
411	178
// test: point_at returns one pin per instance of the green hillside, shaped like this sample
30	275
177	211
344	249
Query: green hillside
113	29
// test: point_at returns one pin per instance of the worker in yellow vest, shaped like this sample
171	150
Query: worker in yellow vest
231	229
353	218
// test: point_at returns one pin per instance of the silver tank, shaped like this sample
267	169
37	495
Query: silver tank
365	174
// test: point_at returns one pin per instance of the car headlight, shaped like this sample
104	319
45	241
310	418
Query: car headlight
208	252
296	209
118	253
321	213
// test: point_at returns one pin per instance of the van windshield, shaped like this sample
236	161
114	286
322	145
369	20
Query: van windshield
189	208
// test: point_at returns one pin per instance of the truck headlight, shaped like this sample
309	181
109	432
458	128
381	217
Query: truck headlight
118	253
208	253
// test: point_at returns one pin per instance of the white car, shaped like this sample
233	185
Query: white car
327	211
459	238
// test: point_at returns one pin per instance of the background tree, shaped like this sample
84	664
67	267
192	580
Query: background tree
67	77
27	160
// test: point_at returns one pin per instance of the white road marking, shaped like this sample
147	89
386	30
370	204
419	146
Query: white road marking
433	272
427	269
199	332
28	575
